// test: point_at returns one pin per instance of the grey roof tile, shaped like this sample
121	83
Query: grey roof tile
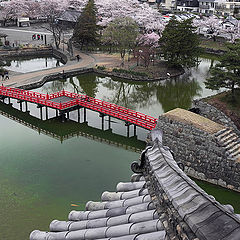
134	193
116	211
58	226
80	225
234	235
160	235
146	227
120	230
122	219
204	215
140	207
143	216
220	226
97	214
129	214
199	215
78	215
137	178
111	196
97	223
129	186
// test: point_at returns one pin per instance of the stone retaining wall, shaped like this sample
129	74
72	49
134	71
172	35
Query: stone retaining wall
56	76
135	77
201	154
213	51
210	112
76	72
59	55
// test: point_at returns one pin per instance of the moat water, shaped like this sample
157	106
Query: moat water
47	165
28	64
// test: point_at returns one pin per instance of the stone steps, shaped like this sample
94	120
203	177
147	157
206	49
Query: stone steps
230	142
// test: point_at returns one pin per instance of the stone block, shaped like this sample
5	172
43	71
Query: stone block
201	176
222	183
230	186
191	171
213	181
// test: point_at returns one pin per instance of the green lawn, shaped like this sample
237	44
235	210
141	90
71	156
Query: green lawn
209	43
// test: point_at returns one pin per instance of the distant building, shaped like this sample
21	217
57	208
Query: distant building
207	7
169	4
69	17
228	7
23	21
188	5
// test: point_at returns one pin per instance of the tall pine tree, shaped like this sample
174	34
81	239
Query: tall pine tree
180	43
85	31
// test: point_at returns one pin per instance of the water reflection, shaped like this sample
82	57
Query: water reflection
178	92
29	64
152	98
55	86
54	128
129	94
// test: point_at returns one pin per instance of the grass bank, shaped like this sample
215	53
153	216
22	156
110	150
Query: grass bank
227	104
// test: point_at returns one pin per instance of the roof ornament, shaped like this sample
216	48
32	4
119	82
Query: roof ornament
139	168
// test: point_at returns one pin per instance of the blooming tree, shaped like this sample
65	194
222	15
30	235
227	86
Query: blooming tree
146	17
11	10
215	27
147	43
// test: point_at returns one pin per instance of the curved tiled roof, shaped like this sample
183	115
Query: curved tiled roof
164	204
206	218
126	214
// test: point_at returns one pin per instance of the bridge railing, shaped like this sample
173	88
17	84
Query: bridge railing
91	104
17	91
111	109
117	108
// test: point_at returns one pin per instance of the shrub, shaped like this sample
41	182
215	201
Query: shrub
101	68
129	72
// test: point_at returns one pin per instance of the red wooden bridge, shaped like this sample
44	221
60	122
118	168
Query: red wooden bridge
66	101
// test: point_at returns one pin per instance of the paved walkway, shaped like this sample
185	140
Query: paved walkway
87	61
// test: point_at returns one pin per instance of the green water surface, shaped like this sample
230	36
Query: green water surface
47	165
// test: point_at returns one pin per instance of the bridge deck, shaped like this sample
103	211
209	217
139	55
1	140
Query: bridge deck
61	99
64	100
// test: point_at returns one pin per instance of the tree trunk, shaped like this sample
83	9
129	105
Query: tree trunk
122	56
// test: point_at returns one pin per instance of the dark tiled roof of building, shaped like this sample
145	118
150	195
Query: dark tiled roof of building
70	16
144	208
207	218
126	214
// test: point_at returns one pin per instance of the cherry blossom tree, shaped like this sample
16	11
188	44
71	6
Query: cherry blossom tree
215	27
147	43
52	9
11	10
146	17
